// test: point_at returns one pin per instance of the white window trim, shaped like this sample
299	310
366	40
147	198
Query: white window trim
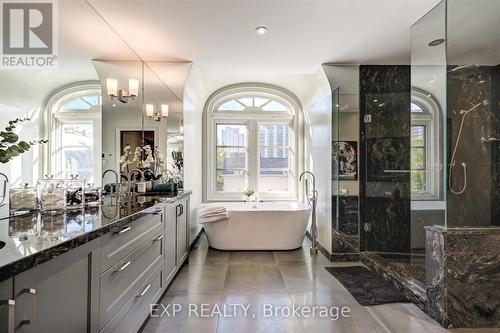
252	120
431	119
51	128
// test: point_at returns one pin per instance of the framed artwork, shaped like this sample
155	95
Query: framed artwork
345	160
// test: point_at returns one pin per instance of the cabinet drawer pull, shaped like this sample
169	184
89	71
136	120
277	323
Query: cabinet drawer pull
158	212
124	266
124	230
144	291
158	238
8	317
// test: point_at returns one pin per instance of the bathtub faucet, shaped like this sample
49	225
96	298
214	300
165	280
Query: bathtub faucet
312	201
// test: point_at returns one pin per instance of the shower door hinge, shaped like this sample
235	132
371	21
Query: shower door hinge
368	118
367	227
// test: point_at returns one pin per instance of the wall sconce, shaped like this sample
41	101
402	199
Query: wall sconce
151	113
120	94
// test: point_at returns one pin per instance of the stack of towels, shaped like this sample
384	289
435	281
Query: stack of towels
211	213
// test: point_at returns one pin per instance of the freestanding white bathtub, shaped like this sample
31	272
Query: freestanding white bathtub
259	226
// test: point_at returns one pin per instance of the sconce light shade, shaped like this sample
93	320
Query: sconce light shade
164	110
150	110
133	87
112	86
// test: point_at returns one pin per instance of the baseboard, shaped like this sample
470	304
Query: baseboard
335	256
196	239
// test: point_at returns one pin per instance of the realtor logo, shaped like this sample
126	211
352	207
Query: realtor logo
28	34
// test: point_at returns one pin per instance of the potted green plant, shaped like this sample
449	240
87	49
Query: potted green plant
249	193
9	145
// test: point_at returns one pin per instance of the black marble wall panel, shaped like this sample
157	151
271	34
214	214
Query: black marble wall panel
345	229
495	147
385	158
469	87
463	275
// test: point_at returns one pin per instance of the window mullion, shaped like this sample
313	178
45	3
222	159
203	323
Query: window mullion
253	154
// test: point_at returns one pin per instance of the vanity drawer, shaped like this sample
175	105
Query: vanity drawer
124	239
132	315
122	280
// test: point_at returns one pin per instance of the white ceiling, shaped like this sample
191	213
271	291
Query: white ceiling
219	34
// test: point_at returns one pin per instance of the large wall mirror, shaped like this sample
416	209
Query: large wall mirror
100	98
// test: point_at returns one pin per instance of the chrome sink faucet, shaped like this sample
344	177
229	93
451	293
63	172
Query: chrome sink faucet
312	201
117	178
130	177
4	192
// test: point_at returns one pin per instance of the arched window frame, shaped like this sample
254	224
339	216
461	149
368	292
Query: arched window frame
252	118
55	117
430	118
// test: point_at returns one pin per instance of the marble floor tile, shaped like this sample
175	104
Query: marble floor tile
247	278
404	317
185	321
475	330
199	279
275	281
251	258
300	256
355	320
208	256
262	316
305	277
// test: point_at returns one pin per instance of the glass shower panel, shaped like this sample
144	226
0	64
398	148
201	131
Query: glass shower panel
386	228
335	169
473	75
347	152
427	134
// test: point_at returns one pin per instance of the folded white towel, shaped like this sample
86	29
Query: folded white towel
210	213
219	218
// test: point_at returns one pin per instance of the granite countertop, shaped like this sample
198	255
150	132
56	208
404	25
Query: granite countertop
34	238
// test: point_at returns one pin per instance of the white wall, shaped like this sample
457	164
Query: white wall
317	107
195	95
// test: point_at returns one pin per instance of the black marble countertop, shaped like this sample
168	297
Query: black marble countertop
34	238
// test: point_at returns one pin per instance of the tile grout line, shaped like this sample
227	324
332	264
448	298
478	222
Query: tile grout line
374	315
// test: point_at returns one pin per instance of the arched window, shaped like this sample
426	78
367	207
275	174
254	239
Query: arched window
252	135
74	129
425	146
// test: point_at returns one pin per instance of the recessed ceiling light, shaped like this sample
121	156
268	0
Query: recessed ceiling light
114	105
261	30
436	42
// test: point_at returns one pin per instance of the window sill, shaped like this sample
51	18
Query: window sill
428	205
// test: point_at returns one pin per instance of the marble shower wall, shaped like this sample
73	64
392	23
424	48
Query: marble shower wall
468	87
345	229
385	158
463	275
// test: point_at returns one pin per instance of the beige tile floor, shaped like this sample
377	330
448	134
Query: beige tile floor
273	281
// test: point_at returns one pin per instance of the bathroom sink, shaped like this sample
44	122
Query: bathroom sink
2	244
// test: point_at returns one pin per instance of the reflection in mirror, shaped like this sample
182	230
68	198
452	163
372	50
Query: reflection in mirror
163	117
121	109
63	103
